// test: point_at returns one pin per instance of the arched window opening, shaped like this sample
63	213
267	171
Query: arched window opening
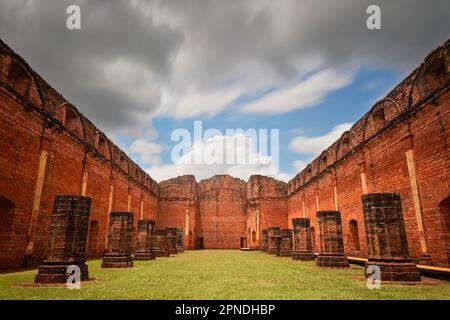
102	147
379	119
313	238
123	163
93	237
444	207
323	163
7	209
253	236
345	146
353	227
72	122
19	79
309	173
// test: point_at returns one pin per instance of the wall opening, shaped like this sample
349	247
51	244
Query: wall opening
253	236
7	209
444	206
345	146
72	122
102	147
19	79
379	119
353	227
93	237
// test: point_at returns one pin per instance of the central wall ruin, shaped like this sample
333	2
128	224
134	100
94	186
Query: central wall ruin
217	212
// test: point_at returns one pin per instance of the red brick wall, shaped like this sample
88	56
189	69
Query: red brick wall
222	205
416	118
33	119
222	209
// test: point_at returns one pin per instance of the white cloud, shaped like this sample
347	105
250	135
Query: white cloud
201	170
313	146
148	152
194	103
299	165
306	93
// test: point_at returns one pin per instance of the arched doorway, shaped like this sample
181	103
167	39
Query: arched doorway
7	209
253	236
444	206
93	237
354	234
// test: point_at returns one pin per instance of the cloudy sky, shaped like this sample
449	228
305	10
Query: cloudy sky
141	69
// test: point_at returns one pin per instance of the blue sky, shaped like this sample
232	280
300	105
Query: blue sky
141	69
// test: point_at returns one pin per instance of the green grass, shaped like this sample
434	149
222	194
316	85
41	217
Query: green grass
221	274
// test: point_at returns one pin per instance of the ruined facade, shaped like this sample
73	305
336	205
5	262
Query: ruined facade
49	148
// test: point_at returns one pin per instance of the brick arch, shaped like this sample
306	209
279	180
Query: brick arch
121	160
17	60
390	109
77	126
309	172
341	148
108	152
431	74
325	159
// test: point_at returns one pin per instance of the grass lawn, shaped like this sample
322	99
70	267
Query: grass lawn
221	274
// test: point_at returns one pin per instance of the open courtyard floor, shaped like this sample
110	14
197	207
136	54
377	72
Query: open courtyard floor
220	274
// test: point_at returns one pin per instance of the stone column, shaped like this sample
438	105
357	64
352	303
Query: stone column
67	242
264	240
386	237
144	244
331	241
172	235
160	245
180	240
120	236
286	243
274	234
302	240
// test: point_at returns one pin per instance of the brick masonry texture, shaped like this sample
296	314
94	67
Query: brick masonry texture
67	242
48	148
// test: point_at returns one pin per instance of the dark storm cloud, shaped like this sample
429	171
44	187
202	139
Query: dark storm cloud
202	44
72	61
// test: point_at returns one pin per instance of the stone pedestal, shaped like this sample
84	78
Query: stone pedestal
161	244
68	236
386	237
172	235
264	240
302	240
274	236
120	236
331	241
144	243
180	247
286	243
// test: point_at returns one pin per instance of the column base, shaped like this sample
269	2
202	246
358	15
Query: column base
303	255
56	271
332	261
117	261
285	253
395	271
141	256
161	253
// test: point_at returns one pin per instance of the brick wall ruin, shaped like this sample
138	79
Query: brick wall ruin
49	148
